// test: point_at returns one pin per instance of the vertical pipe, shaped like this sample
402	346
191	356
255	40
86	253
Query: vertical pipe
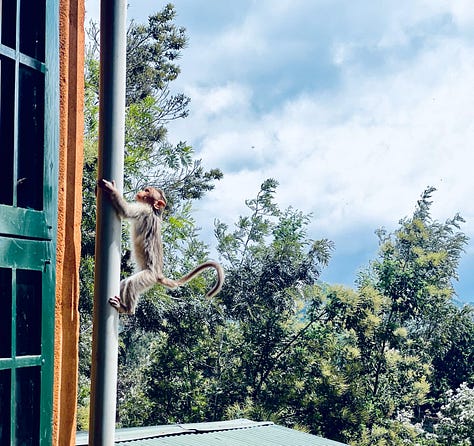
108	227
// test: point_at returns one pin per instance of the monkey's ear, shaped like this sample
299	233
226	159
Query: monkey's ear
159	204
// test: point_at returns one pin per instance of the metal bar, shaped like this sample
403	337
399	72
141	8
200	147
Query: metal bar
16	105
13	411
108	227
20	361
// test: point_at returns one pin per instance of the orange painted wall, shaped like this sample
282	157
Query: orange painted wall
71	86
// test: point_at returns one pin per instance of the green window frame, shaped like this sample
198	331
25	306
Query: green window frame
29	136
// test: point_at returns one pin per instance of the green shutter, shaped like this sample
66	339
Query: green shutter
29	128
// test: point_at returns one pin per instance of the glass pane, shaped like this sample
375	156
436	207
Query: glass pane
5	405
30	139
32	26
7	92
27	406
28	312
5	314
8	22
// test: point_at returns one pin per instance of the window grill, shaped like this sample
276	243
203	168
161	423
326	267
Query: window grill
29	86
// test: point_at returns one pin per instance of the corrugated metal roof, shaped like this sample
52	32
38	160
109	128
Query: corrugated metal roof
222	433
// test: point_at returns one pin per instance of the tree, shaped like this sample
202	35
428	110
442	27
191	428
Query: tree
413	277
269	261
365	374
415	271
387	347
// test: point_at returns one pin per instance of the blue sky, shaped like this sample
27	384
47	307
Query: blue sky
355	107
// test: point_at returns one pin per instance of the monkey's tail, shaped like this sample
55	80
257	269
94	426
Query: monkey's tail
199	269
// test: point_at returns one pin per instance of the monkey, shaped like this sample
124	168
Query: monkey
146	214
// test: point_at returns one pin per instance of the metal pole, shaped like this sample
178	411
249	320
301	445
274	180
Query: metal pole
108	226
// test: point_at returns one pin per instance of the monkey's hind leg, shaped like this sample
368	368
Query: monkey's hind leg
130	290
117	304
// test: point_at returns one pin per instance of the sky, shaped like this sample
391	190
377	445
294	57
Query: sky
354	107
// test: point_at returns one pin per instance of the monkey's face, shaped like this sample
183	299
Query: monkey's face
153	197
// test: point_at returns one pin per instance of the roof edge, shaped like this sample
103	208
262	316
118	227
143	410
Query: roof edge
142	433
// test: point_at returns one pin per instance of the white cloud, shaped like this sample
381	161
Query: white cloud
228	98
361	156
462	12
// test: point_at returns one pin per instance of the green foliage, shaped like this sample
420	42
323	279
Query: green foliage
415	271
419	262
453	352
152	51
268	253
179	372
397	432
412	327
270	260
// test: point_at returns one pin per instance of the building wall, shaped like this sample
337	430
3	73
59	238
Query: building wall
71	86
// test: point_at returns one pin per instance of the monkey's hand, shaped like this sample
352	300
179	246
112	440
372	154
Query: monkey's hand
107	186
